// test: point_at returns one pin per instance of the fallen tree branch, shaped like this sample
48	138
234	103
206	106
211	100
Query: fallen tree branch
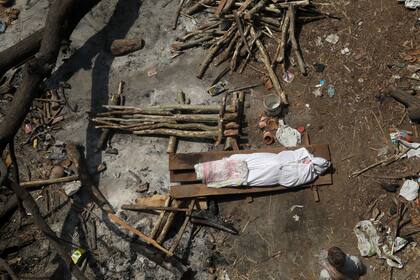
60	22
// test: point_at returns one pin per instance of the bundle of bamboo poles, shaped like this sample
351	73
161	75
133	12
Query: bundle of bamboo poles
179	120
235	29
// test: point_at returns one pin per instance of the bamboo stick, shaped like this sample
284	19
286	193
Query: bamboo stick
207	118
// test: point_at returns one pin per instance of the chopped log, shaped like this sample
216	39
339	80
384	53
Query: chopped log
135	207
280	52
168	223
135	231
158	223
185	108
191	44
295	44
121	47
266	60
249	14
40	183
213	51
181	231
185	133
198	6
205	118
178	12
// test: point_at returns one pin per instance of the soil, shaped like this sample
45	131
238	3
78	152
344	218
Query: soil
356	123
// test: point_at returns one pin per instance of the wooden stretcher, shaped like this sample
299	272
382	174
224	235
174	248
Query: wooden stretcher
181	170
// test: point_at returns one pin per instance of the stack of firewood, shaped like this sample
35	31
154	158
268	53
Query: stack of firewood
178	120
234	30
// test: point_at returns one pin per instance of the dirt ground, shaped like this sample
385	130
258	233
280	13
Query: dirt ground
271	244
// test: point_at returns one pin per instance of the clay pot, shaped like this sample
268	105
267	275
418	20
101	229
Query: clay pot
269	138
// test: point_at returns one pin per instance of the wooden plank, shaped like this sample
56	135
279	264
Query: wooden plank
201	190
158	200
182	161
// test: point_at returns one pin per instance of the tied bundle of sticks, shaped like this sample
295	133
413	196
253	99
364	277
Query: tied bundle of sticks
235	30
178	120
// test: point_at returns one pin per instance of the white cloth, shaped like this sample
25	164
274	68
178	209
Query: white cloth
287	168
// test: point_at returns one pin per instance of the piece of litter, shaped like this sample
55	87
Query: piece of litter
332	38
321	83
410	190
318	41
319	67
72	187
152	72
307	106
411	4
288	76
296	218
2	26
331	91
288	136
295	206
345	51
317	92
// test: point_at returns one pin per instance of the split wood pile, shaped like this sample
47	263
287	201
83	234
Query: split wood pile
236	31
177	120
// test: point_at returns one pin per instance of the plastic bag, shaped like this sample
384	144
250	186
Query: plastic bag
410	190
288	136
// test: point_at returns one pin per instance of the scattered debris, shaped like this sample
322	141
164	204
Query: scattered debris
411	4
319	67
345	51
3	26
369	244
72	187
332	38
331	91
410	190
